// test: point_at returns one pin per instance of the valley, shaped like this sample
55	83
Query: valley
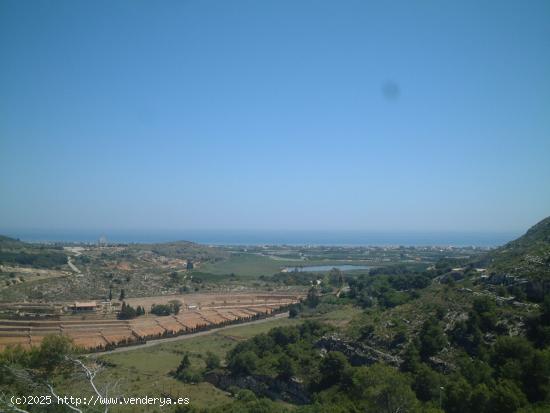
282	328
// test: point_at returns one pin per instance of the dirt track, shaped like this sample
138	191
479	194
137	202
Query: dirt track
100	334
151	343
100	330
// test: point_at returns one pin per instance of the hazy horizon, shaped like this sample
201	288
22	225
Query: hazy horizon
326	115
270	237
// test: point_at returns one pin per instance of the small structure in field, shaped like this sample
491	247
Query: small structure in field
84	306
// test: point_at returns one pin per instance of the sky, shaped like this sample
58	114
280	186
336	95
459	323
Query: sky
302	115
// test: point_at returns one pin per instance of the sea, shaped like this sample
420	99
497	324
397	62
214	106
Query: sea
269	237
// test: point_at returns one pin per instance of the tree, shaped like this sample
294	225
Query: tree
476	371
382	389
53	351
432	338
516	360
184	372
538	327
366	331
185	363
469	336
174	277
175	306
484	312
457	396
536	377
512	356
427	383
480	399
284	335
285	367
293	311
312	299
30	372
411	358
332	368
160	309
212	361
508	397
336	277
243	363
127	312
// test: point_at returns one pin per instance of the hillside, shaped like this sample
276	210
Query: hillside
15	252
7	242
413	337
527	256
178	249
523	265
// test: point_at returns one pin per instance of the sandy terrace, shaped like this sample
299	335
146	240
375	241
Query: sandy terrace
96	333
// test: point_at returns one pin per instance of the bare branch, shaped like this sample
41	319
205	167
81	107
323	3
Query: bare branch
65	404
35	383
5	400
90	374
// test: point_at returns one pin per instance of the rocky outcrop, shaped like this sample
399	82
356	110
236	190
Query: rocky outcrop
290	391
440	365
357	353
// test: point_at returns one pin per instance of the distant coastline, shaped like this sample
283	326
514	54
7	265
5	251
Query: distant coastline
271	237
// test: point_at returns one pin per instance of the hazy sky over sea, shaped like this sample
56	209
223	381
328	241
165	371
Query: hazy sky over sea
330	115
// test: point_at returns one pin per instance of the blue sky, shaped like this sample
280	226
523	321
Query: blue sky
273	115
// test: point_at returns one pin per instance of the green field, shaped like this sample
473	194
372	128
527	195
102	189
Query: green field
145	372
246	265
253	265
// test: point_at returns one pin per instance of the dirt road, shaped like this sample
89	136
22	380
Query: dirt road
187	336
73	267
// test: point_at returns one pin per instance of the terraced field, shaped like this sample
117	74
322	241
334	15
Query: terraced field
95	332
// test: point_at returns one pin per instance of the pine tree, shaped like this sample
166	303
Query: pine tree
184	365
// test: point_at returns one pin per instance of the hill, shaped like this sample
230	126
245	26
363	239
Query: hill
7	242
523	264
16	252
187	249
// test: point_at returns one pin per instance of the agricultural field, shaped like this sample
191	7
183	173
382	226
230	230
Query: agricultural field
36	272
261	326
246	265
146	371
95	330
